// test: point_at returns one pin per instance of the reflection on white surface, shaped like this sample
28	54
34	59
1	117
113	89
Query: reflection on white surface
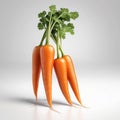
99	90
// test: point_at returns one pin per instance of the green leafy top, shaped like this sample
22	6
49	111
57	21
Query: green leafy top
52	9
56	23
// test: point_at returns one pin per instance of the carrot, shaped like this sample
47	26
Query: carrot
47	59
61	73
56	24
35	69
72	77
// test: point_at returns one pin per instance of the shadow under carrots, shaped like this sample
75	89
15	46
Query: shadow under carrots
40	102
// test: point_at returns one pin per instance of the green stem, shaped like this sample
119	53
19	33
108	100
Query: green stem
57	47
54	39
62	52
47	37
60	45
60	41
48	31
55	22
43	37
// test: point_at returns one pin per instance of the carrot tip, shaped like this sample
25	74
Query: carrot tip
81	104
84	106
36	100
51	108
74	106
50	105
70	103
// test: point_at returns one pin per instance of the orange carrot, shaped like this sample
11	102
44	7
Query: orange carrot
72	77
47	59
35	69
61	73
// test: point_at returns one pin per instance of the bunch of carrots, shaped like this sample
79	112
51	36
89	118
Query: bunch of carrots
55	23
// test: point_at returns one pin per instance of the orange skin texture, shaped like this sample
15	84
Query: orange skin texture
61	73
47	59
72	77
36	67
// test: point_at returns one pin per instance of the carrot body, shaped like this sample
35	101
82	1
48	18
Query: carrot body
72	77
47	59
35	69
61	73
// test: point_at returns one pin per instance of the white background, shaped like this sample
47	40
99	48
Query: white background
95	50
97	30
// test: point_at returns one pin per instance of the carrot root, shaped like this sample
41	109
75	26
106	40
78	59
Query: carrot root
47	59
35	69
61	73
72	77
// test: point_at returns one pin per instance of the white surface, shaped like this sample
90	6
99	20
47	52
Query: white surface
99	87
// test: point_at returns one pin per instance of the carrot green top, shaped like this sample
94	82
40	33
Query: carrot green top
56	23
